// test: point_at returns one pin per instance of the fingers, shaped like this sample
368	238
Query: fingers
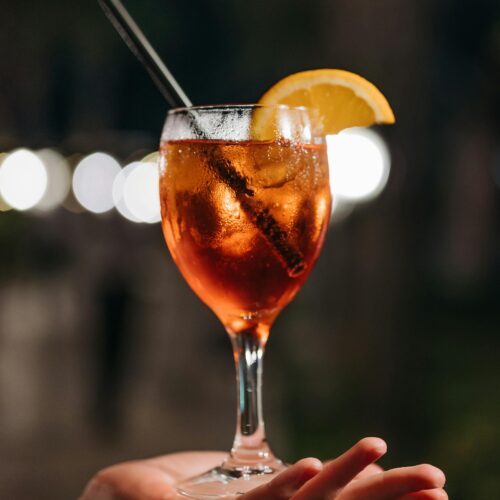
369	471
339	472
397	483
285	484
435	494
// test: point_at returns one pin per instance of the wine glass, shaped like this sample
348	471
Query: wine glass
245	203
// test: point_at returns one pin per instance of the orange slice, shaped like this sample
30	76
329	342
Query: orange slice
342	99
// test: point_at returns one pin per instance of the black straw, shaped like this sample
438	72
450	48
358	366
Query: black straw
142	49
291	257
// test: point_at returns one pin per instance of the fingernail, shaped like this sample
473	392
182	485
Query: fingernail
381	446
312	468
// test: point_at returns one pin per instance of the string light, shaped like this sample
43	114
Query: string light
59	179
141	192
117	193
93	182
23	179
359	164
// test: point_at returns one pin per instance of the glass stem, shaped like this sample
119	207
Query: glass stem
250	448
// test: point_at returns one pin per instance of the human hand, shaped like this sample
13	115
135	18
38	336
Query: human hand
352	476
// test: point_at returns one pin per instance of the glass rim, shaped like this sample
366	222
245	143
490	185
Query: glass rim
235	107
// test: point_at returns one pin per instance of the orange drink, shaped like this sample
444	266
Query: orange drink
245	252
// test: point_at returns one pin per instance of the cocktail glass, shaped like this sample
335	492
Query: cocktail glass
245	204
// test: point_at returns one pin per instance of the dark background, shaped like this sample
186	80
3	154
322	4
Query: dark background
105	353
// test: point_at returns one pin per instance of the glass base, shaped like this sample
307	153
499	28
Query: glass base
225	482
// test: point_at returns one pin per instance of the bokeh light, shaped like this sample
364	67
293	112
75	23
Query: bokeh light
141	192
118	189
93	182
59	179
4	207
341	208
359	163
23	179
